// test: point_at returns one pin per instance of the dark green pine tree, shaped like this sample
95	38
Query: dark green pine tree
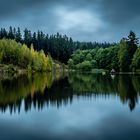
46	44
42	40
11	33
1	34
18	35
14	33
34	40
27	37
132	42
5	33
38	40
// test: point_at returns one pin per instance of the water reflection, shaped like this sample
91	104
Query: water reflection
126	87
41	90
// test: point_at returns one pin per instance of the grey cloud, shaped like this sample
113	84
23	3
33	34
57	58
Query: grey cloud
118	17
120	11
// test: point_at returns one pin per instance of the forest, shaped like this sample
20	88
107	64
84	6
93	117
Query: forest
123	57
60	47
37	51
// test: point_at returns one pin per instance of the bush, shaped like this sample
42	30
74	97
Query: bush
84	66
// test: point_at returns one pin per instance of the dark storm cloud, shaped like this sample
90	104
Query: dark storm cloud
120	11
101	20
14	7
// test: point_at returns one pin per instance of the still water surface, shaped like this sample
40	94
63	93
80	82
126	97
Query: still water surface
70	107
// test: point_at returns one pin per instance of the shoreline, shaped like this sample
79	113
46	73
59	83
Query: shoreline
9	69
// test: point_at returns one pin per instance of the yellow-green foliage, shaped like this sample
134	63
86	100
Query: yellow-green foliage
20	55
49	62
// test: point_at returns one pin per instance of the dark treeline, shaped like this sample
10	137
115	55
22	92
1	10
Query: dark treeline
59	46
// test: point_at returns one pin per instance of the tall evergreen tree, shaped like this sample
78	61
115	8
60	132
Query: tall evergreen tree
18	35
34	40
132	44
123	55
3	33
27	37
11	33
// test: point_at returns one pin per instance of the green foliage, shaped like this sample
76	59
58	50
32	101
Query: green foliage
63	49
117	57
20	55
123	56
100	58
71	64
84	66
94	64
127	49
132	42
136	60
88	57
49	62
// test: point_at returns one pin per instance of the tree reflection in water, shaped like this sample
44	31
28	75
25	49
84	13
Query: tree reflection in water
43	90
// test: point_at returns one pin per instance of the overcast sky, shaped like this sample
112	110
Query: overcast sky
83	20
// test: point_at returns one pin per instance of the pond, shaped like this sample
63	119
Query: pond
70	106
